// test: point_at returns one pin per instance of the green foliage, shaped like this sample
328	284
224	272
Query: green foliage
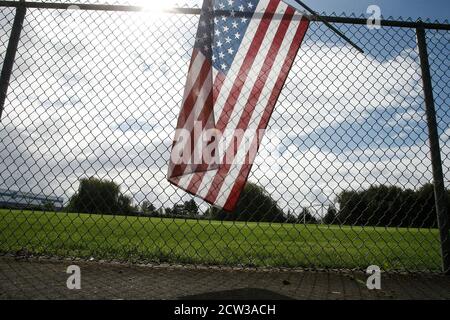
306	217
100	196
290	217
254	204
125	205
48	206
178	210
382	206
187	209
388	206
191	208
148	208
331	216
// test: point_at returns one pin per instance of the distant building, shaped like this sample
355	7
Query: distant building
27	200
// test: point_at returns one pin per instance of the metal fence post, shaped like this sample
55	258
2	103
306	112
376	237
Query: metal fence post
10	55
438	178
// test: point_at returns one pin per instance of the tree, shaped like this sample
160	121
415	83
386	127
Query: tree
178	210
425	214
148	208
330	216
191	208
100	196
351	205
290	218
306	217
48	206
389	206
254	204
125	205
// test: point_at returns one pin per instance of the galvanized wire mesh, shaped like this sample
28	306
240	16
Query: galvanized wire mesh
345	160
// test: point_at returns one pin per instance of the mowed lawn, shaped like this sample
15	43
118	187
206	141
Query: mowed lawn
216	242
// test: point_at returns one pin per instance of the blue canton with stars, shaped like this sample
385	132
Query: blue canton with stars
220	34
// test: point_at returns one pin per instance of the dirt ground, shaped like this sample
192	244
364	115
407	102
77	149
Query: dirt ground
33	278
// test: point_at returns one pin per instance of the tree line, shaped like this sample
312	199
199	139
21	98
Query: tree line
376	206
97	196
386	206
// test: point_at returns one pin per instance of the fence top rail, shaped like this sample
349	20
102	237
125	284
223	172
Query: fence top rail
195	11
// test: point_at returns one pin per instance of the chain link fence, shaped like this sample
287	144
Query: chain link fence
343	178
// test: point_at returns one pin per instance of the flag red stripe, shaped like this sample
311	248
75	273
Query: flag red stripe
188	148
218	82
198	177
189	103
246	65
251	103
245	170
240	79
179	169
187	107
194	55
236	109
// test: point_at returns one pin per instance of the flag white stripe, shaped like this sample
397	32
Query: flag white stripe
253	75
201	97
251	81
199	104
193	75
191	78
232	75
281	57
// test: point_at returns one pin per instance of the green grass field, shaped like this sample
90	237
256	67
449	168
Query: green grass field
215	242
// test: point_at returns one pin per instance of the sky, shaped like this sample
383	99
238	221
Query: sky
98	94
414	9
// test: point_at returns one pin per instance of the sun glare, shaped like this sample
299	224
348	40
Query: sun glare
156	6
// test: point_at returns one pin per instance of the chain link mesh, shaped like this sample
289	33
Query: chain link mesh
345	159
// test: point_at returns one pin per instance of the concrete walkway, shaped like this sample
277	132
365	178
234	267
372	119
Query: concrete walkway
32	278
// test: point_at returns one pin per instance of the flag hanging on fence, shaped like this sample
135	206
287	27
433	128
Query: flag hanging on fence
242	55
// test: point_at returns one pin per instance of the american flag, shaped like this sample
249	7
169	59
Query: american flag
242	55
